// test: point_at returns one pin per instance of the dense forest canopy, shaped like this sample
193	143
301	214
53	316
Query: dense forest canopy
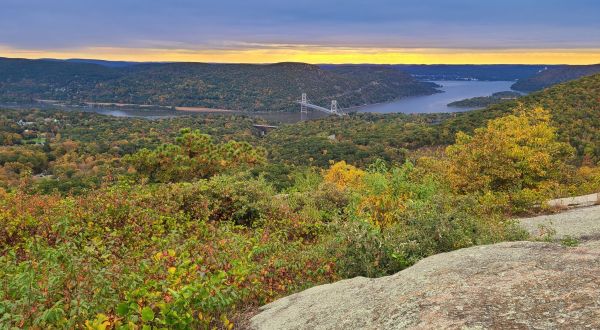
248	87
554	75
53	143
498	72
495	72
484	101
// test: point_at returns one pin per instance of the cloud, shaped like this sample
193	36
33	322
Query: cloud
203	25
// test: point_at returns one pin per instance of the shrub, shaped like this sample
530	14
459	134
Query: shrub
401	215
184	255
344	175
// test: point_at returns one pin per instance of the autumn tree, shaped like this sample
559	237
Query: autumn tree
518	151
344	175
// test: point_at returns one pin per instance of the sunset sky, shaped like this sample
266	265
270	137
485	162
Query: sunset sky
262	31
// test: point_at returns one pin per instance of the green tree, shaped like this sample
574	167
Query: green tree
194	155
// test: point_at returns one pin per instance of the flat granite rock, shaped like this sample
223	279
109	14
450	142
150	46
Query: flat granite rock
581	223
514	285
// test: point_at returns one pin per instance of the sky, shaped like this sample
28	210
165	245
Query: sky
266	31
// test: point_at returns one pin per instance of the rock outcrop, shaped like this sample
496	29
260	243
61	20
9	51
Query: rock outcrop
515	285
580	223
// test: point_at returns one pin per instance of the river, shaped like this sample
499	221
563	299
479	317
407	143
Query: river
435	103
453	91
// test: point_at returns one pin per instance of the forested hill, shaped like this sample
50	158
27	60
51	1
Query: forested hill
362	138
494	72
249	87
575	110
554	75
491	72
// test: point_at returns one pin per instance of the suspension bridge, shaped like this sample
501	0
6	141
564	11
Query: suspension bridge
305	105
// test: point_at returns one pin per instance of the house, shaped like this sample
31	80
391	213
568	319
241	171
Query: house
21	122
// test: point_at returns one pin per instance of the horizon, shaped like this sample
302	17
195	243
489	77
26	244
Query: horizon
239	58
315	32
68	59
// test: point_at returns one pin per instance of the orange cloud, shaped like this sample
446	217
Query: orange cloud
315	54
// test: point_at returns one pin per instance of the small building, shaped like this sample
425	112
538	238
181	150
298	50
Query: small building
21	122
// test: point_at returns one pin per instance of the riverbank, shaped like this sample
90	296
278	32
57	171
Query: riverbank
135	106
203	109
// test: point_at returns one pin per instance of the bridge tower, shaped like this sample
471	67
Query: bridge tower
334	107
303	107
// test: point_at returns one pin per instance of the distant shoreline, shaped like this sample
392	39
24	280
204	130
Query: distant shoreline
138	106
203	109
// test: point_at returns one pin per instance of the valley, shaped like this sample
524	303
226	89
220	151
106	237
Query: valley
148	214
137	218
448	91
272	165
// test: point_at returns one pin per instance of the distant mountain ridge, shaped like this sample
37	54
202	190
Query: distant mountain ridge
494	72
252	87
110	64
554	75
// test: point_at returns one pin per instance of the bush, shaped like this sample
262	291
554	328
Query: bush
401	215
184	255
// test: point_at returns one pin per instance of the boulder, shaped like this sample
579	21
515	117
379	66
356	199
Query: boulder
578	201
514	285
581	223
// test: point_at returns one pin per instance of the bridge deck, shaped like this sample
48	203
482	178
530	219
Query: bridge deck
323	109
264	126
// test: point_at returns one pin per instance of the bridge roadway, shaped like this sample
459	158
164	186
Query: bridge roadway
333	111
316	107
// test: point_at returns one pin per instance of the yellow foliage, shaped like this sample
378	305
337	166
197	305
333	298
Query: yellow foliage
381	209
586	180
515	152
344	175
